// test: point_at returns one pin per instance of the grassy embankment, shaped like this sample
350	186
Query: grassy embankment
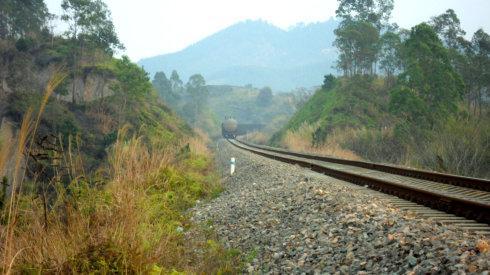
353	121
112	194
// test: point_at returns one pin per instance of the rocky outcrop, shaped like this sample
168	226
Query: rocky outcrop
83	89
5	88
88	88
23	71
8	136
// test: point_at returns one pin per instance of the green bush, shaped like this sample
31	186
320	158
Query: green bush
25	44
103	259
461	146
376	145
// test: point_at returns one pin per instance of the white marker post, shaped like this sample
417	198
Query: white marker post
232	166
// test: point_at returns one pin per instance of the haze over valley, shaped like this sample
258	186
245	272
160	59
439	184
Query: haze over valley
257	53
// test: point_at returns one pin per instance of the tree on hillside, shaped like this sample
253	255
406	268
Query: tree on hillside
358	44
160	80
198	96
358	34
477	73
389	55
19	18
133	81
196	85
328	82
376	12
469	58
164	87
264	98
428	78
448	26
90	26
176	83
407	104
90	22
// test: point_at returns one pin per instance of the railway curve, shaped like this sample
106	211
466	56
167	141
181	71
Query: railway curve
462	196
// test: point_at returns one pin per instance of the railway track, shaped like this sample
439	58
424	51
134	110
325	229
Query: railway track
449	199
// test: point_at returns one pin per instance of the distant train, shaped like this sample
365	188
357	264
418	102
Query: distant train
231	129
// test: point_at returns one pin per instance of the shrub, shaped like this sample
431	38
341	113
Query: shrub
257	137
302	141
374	145
461	146
25	44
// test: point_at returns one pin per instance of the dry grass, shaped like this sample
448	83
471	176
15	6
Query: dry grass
88	222
8	250
6	145
127	225
105	120
257	137
301	140
27	130
199	143
461	147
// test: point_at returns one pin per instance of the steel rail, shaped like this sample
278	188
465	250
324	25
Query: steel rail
450	204
473	183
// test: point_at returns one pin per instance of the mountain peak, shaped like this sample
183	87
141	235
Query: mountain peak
256	52
247	28
255	23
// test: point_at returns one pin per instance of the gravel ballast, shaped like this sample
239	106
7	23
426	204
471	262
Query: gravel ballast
292	220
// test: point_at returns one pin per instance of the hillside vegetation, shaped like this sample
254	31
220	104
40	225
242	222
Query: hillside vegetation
206	106
96	171
427	109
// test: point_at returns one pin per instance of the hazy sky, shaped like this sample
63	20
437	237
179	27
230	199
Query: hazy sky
153	27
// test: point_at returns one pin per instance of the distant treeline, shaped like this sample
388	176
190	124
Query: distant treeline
431	66
191	100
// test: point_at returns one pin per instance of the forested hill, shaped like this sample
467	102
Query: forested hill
415	97
257	53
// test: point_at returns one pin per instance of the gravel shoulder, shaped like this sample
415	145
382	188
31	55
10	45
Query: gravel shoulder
293	220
